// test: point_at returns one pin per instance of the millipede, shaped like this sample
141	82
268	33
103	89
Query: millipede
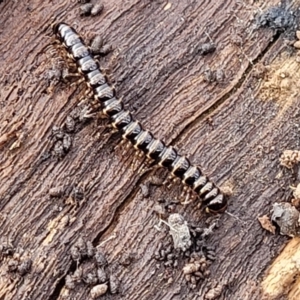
131	129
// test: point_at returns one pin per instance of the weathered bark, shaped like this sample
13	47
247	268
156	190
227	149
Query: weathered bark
235	128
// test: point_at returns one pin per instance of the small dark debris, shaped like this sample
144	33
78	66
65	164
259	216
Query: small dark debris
97	44
70	124
58	149
127	259
101	274
195	269
6	249
90	250
97	9
53	75
12	265
206	48
77	193
286	217
57	191
145	190
90	278
114	284
85	9
209	76
100	259
75	253
25	266
266	223
220	75
70	282
67	142
106	49
279	18
57	133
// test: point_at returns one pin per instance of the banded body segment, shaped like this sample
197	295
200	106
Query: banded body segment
131	129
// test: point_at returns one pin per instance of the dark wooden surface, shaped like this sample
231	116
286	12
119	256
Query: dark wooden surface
234	129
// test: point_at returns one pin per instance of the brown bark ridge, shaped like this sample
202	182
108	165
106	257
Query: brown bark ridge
234	127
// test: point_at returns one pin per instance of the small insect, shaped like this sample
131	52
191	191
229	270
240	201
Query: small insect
114	284
97	9
132	130
98	290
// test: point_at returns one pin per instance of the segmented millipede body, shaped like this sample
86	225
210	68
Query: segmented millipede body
131	129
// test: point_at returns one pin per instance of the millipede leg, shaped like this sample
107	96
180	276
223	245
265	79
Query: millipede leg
187	196
168	182
76	75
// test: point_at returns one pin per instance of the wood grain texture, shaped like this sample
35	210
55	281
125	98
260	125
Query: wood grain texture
235	130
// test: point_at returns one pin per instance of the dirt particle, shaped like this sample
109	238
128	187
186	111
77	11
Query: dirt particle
286	217
289	158
97	9
98	290
266	223
279	18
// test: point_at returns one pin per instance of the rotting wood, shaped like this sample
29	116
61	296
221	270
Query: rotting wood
235	129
